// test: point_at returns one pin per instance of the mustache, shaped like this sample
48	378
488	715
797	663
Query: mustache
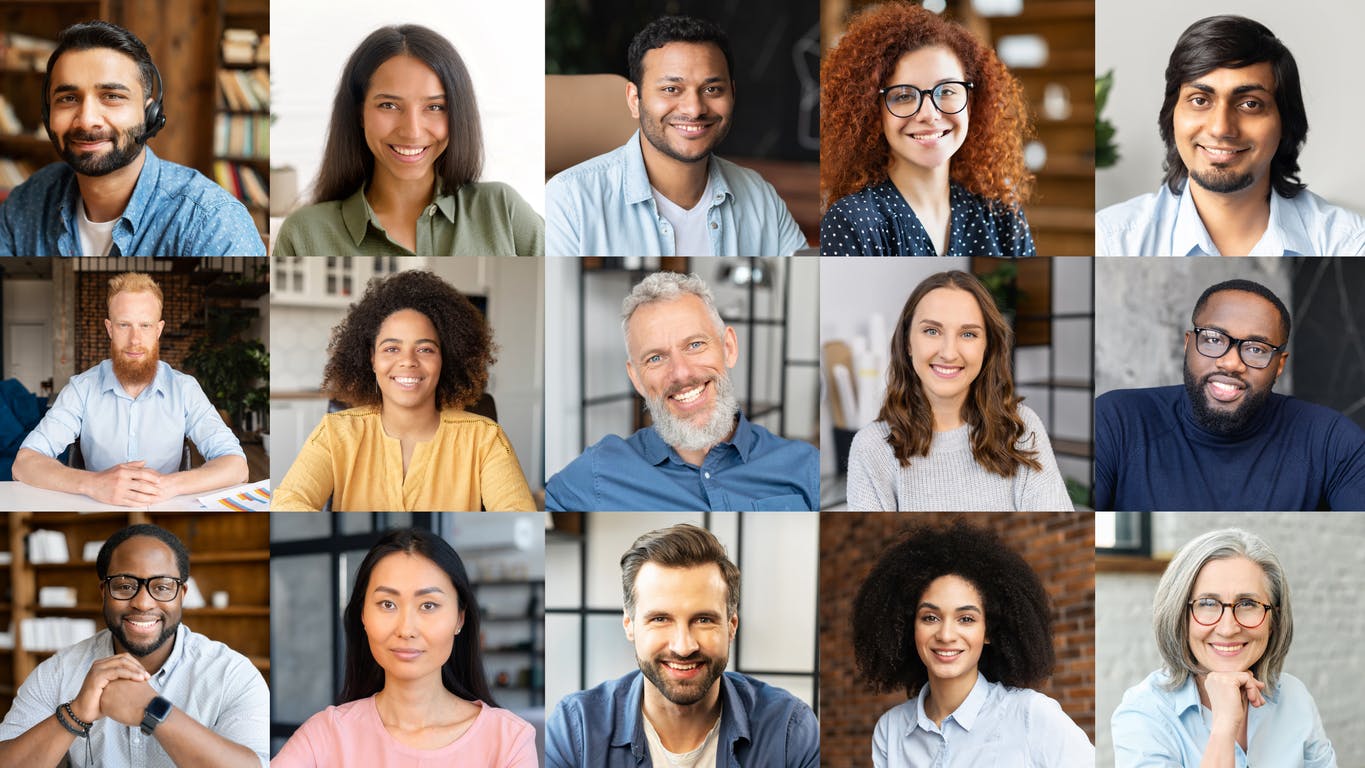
686	385
78	134
1205	379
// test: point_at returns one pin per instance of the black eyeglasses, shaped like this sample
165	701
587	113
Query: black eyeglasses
1245	611
906	100
1211	342
163	589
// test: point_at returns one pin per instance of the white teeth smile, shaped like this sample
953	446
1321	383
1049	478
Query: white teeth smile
689	395
932	135
944	370
1222	152
689	128
948	654
1224	388
1227	648
405	380
408	151
142	624
682	667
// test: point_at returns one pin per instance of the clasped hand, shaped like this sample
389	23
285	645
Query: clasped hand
116	687
131	484
1230	692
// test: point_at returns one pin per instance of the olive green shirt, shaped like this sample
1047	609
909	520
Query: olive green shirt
481	219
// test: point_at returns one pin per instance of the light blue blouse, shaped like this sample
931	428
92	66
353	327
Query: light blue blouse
996	727
1157	728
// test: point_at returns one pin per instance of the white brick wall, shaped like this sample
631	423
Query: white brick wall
1324	561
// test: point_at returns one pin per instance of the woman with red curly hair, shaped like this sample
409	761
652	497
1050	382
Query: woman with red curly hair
922	132
951	434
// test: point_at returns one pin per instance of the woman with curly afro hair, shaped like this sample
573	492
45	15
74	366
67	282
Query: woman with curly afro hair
961	622
409	356
952	436
921	133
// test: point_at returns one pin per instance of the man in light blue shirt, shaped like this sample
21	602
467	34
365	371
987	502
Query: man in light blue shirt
1233	122
700	452
113	196
665	193
145	692
132	413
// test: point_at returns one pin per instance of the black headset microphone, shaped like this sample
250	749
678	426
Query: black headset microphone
153	119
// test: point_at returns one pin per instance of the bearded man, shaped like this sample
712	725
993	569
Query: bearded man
132	413
701	453
681	611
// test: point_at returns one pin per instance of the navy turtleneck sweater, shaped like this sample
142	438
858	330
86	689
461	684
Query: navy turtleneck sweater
1150	454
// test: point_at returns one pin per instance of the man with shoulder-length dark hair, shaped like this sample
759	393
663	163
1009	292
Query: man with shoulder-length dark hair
1233	121
111	195
681	610
665	193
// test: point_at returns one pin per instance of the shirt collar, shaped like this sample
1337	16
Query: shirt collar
109	381
656	451
357	215
638	188
143	190
630	728
1284	232
966	713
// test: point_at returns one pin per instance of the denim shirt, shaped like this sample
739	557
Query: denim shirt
760	725
755	471
605	207
174	211
1167	224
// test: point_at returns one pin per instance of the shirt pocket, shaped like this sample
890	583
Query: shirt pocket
792	502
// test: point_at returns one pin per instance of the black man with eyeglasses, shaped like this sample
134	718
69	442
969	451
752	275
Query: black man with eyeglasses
1224	440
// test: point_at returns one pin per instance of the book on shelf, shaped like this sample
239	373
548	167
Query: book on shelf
9	119
239	46
244	90
241	135
25	52
242	181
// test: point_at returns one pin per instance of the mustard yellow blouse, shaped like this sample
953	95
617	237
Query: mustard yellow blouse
467	465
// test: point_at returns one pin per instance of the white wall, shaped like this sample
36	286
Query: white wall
28	321
1324	565
502	45
1135	39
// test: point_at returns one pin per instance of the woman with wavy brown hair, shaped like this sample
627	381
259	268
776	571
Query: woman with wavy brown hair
921	132
408	358
952	435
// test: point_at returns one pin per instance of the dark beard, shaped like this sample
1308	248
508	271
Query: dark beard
130	373
115	624
1222	182
686	693
125	150
1223	422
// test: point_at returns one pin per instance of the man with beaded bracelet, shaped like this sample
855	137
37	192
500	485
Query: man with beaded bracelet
146	692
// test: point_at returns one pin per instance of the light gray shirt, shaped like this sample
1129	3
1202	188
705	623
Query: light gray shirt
203	678
949	479
995	726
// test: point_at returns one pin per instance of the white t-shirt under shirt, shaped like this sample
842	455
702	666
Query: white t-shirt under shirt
97	237
704	755
690	235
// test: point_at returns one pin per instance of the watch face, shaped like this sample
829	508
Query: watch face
159	708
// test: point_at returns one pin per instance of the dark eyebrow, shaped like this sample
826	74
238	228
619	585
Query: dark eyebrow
1253	337
937	324
396	97
1238	91
422	591
960	608
400	341
681	79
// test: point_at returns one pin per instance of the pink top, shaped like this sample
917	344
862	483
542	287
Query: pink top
353	735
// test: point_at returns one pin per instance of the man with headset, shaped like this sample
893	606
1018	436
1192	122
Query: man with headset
102	101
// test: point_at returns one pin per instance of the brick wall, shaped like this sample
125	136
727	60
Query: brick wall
1059	546
182	309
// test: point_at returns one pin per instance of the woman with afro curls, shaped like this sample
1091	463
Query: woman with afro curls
959	621
409	356
921	132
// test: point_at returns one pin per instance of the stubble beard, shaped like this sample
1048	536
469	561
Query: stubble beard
1223	422
125	150
682	434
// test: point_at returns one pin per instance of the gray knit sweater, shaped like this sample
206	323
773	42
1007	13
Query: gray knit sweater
949	479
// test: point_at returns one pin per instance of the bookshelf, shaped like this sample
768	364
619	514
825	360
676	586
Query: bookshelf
228	552
241	128
29	36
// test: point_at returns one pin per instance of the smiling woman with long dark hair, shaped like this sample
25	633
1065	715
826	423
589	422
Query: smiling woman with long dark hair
410	356
400	171
415	693
952	435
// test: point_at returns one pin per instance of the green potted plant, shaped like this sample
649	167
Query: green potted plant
230	367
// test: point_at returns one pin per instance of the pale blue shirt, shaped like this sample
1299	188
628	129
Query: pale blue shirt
995	727
605	207
1157	728
1166	224
115	428
174	211
216	686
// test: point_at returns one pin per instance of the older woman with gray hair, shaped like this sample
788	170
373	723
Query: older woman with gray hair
1223	626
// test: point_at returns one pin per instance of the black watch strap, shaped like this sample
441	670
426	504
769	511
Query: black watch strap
157	711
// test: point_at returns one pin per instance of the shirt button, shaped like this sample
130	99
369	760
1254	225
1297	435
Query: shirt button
708	475
714	225
431	210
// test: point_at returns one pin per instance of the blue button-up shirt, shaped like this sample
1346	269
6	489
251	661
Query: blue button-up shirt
1157	728
605	207
755	470
1166	224
174	211
115	428
759	726
994	726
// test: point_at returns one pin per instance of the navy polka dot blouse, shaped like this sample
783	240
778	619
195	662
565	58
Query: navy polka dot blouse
878	222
